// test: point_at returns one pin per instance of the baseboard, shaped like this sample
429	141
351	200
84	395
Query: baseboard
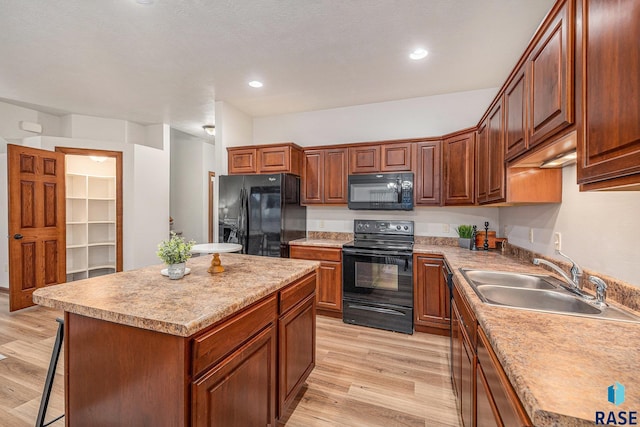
329	313
4	290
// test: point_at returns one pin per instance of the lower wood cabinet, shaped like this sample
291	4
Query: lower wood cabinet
431	301
485	396
297	350
218	395
329	286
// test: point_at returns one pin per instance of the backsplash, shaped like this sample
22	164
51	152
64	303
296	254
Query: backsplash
617	290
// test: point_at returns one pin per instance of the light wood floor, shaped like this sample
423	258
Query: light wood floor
363	376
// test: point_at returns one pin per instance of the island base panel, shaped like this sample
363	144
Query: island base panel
116	373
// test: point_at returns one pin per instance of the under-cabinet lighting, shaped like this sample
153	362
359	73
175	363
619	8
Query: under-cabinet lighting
562	160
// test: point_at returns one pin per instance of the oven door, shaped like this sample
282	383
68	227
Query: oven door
378	276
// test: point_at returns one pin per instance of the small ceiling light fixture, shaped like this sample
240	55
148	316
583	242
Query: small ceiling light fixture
255	83
210	129
98	159
418	54
145	2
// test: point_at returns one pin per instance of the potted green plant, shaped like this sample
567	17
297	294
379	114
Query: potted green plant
465	234
175	252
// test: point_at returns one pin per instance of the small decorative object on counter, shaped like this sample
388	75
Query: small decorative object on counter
474	247
485	246
175	252
465	232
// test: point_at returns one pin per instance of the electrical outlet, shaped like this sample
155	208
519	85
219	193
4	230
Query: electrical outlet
446	228
531	235
321	224
557	241
504	230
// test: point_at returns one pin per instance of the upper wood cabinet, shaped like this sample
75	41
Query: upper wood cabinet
459	169
324	176
265	159
428	174
387	157
515	115
551	76
396	157
242	160
609	120
365	159
495	156
482	162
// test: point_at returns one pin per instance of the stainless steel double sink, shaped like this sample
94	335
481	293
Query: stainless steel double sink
538	293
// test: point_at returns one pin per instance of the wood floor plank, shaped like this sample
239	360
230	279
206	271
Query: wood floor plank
364	377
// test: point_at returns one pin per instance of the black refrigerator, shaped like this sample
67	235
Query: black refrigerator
261	212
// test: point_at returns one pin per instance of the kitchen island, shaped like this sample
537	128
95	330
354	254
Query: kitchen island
231	349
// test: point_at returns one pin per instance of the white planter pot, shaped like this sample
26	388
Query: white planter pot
176	271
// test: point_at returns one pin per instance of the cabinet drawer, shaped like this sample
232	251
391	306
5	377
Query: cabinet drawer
315	253
213	345
293	294
506	401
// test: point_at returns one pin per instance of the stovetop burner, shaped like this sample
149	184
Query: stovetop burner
381	235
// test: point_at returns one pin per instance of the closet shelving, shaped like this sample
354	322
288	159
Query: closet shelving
91	224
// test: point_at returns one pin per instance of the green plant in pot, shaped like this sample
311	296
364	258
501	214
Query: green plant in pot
175	252
465	235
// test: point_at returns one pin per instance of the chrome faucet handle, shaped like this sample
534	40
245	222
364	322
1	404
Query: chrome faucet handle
576	271
601	290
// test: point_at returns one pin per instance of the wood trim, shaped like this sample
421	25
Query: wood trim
210	207
279	144
364	143
119	209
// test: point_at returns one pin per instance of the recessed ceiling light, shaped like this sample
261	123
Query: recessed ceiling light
255	83
418	54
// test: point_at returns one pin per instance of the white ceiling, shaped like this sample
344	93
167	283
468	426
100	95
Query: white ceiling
172	60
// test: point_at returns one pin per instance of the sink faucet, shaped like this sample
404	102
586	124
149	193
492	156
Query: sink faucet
601	290
576	273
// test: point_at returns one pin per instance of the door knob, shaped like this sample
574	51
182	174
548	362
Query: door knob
18	236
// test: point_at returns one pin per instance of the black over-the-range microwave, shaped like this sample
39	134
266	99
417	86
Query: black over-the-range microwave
381	191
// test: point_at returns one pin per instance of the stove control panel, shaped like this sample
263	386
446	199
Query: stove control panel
373	226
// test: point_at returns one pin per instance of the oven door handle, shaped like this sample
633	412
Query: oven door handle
378	309
375	252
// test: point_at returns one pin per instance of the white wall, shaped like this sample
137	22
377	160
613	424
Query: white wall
191	160
599	229
145	173
429	221
408	118
233	128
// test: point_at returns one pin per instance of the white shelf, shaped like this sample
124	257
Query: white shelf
91	218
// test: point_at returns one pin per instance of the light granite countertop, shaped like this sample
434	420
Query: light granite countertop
559	365
324	243
145	299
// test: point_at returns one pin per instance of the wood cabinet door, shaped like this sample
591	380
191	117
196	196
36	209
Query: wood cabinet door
430	293
429	173
609	123
456	352
329	292
482	163
396	157
221	396
467	383
515	115
364	159
495	149
274	159
486	412
37	255
552	78
335	176
243	160
312	177
459	170
297	343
